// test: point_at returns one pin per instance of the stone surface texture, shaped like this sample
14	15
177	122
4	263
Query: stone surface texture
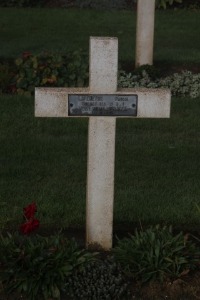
145	32
100	182
101	145
103	65
53	102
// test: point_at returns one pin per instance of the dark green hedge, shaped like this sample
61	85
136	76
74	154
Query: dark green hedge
95	4
23	3
46	69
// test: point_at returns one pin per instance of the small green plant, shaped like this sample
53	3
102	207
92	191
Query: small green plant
38	266
48	69
98	280
155	253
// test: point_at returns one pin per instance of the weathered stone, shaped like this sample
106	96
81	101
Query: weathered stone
54	102
145	32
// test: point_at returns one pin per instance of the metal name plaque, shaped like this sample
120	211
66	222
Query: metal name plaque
102	105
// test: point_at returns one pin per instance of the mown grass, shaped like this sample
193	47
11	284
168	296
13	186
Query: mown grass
44	160
176	32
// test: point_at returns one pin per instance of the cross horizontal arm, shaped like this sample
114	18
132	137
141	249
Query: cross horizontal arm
53	102
152	103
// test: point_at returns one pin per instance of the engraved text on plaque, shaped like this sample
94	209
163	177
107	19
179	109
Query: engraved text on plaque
102	105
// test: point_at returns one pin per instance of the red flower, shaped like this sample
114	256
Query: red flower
29	211
26	54
30	223
29	226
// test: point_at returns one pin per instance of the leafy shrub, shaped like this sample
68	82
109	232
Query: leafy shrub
152	71
164	3
95	4
156	254
21	3
189	4
56	70
38	266
131	80
105	4
50	70
99	4
181	84
97	280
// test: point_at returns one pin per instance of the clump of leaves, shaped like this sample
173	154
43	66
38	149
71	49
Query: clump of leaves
98	280
181	84
48	69
151	70
156	253
38	266
165	3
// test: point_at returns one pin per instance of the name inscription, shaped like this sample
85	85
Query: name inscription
102	105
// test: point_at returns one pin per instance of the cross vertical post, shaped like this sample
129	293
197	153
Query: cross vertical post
101	146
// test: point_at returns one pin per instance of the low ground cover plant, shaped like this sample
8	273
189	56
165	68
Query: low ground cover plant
48	69
38	266
71	70
100	279
157	254
181	84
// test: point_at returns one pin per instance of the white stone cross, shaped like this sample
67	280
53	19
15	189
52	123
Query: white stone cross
102	102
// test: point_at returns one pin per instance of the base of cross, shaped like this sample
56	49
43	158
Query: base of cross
102	102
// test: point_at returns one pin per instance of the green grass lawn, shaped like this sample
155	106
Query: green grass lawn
176	32
44	160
